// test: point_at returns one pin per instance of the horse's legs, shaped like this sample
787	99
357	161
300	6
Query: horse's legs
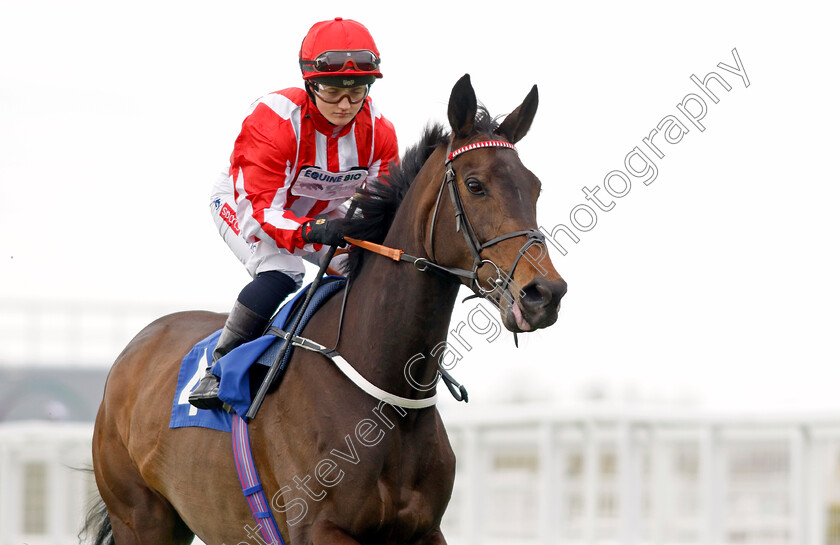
144	518
139	515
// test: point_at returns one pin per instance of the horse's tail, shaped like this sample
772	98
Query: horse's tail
98	525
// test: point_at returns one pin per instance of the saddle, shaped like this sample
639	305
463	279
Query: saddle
240	377
237	369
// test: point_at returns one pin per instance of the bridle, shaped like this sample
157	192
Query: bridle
475	246
462	224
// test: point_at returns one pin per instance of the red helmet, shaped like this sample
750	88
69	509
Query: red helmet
340	47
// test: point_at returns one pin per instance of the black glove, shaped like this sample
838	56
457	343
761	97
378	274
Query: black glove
323	231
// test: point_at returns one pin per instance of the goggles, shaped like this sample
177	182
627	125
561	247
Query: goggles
334	95
336	61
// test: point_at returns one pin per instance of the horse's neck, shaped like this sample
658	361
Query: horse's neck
395	313
400	311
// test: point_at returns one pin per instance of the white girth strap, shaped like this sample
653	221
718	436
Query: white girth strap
360	381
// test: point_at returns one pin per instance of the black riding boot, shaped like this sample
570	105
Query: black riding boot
242	325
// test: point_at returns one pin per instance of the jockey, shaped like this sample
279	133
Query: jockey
301	154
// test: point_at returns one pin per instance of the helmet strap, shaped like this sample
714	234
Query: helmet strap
308	85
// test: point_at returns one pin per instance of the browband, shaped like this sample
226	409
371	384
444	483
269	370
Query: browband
482	144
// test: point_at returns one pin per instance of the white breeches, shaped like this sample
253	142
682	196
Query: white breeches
261	256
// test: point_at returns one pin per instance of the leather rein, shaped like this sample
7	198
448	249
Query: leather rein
474	245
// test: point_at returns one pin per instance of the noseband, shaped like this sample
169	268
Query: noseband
475	246
462	224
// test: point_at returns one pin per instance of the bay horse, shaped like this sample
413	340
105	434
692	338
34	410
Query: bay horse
339	468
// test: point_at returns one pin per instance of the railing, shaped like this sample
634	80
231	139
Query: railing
542	475
45	488
590	476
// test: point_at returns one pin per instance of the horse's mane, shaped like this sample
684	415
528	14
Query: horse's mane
379	200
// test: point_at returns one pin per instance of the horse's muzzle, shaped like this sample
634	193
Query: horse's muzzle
537	306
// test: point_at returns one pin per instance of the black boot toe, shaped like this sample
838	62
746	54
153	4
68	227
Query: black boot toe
206	394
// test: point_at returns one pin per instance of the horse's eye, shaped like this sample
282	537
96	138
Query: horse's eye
475	187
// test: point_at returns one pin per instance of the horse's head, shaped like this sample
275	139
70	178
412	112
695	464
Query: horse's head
485	215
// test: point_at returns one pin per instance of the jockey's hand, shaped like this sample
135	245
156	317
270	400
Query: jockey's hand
323	231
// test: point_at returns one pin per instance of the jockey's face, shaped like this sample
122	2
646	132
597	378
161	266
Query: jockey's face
339	105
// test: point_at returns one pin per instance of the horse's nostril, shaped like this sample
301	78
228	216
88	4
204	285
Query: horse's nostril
541	294
545	293
536	296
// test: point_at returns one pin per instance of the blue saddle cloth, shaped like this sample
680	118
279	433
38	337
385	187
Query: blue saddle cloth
233	368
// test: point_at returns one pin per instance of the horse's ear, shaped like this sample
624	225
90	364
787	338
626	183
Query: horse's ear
462	107
516	125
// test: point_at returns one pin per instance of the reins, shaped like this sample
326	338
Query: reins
422	264
462	224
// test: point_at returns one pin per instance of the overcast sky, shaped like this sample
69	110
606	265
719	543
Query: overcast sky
717	282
